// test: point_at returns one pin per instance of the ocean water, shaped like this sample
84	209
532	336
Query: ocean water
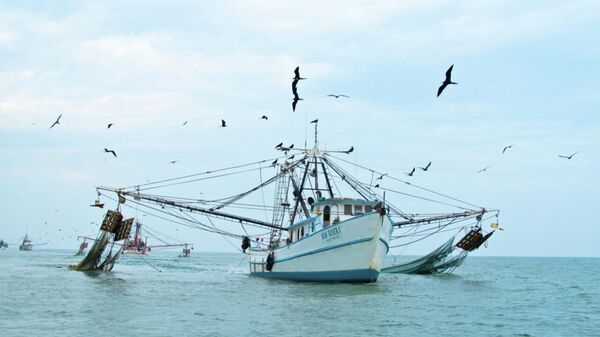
211	294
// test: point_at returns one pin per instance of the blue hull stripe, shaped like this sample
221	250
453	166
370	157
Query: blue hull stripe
387	247
323	249
356	275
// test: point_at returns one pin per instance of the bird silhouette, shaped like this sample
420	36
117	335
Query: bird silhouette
296	97
315	121
506	148
223	123
337	96
111	151
376	185
184	123
264	117
279	145
381	176
291	147
57	122
447	81
274	162
426	167
109	125
483	169
411	172
291	157
568	157
350	150
173	161
297	74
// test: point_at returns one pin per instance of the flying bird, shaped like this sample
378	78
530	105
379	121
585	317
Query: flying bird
109	125
376	185
483	169
411	172
173	161
568	157
111	151
184	123
264	117
296	97
350	150
274	162
295	101
447	81
279	145
381	176
292	157
297	74
291	147
426	167
506	148
315	121
337	96
57	122
223	123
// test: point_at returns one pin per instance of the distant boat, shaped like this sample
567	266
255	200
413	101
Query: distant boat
82	248
3	244
26	244
186	252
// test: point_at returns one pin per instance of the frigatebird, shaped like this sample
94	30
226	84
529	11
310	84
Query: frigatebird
274	162
337	96
279	145
506	148
426	167
381	176
411	172
109	125
264	117
483	169
297	74
568	157
315	121
110	151
57	122
184	123
447	81
350	150
296	97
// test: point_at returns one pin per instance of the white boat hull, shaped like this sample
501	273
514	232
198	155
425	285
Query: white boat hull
350	251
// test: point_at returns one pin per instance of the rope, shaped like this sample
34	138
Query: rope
407	183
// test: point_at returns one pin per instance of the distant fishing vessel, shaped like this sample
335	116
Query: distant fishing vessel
316	233
26	245
3	244
137	245
185	252
82	248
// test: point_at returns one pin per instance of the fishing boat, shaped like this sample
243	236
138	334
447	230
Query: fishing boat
137	244
324	225
26	245
82	248
186	251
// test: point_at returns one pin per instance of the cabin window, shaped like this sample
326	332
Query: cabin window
326	216
347	209
358	209
368	208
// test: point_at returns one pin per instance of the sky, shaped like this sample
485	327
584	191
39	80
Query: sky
527	74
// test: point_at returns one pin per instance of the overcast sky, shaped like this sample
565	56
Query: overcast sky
528	75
